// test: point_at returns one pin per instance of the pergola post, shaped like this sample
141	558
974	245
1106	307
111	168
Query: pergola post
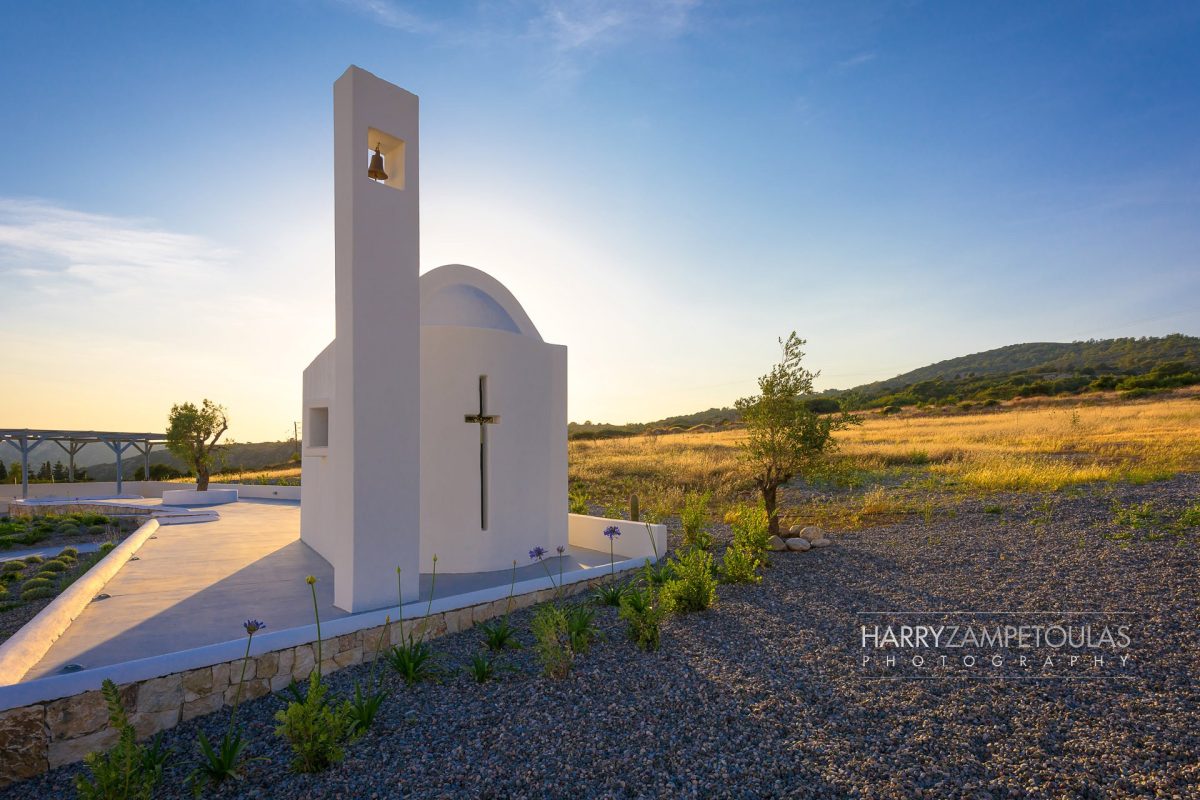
118	450
71	448
144	447
22	444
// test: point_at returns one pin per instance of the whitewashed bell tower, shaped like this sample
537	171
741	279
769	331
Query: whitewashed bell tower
436	421
366	517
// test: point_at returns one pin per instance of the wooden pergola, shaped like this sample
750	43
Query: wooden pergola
26	440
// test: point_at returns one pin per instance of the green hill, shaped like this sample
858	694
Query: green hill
1040	369
1136	366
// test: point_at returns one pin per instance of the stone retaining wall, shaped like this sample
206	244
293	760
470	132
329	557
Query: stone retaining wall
42	736
71	507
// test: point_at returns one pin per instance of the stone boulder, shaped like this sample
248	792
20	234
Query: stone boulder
775	543
811	532
822	542
798	543
795	530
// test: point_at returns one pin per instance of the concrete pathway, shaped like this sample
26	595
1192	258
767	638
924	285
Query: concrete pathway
194	585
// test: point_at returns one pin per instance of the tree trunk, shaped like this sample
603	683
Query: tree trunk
201	478
768	493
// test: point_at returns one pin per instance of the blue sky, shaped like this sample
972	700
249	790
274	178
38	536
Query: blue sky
667	186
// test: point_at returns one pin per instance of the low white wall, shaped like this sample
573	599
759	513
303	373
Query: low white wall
143	488
53	687
191	497
633	543
25	648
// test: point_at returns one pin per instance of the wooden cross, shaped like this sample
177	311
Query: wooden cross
483	419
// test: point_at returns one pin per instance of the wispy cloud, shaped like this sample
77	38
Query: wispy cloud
46	249
595	23
856	61
390	14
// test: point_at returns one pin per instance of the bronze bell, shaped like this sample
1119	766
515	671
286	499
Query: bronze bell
375	170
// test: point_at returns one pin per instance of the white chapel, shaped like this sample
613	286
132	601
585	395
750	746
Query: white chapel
436	421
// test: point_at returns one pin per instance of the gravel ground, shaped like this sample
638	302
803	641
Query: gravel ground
762	696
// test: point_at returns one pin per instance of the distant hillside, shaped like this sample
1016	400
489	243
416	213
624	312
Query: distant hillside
240	455
1115	356
1040	369
1135	366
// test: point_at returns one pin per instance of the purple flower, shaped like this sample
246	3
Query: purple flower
612	531
253	626
560	549
537	553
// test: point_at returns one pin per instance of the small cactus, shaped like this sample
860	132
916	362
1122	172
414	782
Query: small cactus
634	516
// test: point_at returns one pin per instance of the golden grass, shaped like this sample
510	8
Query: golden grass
1022	448
1038	448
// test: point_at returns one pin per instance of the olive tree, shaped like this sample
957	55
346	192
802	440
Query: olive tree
784	437
192	435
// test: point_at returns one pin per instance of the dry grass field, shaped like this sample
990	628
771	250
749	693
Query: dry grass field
1024	446
1018	447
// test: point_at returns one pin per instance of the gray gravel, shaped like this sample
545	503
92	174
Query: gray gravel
761	696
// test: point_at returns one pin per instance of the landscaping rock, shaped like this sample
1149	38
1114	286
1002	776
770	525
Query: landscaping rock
23	743
795	530
775	543
821	542
798	544
811	532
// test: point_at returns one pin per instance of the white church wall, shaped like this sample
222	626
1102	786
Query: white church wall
374	423
316	518
526	469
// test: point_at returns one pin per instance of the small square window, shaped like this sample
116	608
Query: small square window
316	428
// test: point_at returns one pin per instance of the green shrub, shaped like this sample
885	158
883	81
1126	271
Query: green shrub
1135	515
581	628
315	728
609	594
69	552
500	634
694	518
129	770
693	587
739	565
644	615
751	531
577	500
34	560
107	548
656	574
1190	518
13	566
40	593
481	667
54	565
33	536
552	641
413	660
97	530
39	582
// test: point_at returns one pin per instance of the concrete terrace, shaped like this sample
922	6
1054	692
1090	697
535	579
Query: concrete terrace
195	584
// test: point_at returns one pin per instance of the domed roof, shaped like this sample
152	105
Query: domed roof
459	295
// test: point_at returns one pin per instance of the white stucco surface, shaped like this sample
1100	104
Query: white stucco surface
394	471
